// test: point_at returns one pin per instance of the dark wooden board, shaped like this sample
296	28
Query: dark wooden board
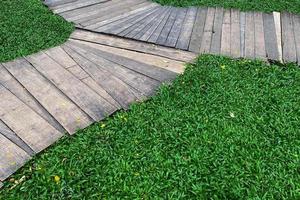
198	30
217	32
176	28
208	31
187	29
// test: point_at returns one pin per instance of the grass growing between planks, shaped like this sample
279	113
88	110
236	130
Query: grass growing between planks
226	129
27	26
245	5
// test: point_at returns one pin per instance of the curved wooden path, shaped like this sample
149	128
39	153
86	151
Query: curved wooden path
121	51
254	35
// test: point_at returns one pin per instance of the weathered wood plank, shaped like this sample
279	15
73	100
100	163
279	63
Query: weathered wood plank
235	35
296	22
116	88
270	37
242	30
132	22
9	134
108	25
138	26
52	99
277	23
289	52
249	36
148	30
176	28
28	125
10	83
11	158
111	11
187	29
169	64
260	50
198	30
162	39
53	3
154	36
89	101
61	57
76	5
154	72
208	31
217	32
143	84
226	35
131	45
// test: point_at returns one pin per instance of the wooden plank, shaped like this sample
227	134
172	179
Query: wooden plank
131	45
1	184
154	36
52	99
217	32
288	38
116	88
249	36
13	137
260	50
148	30
277	21
162	38
242	30
113	20
28	125
53	3
89	101
226	35
139	25
154	72
176	28
108	25
143	84
296	23
112	11
198	30
270	37
169	64
235	35
11	158
208	29
187	29
76	5
10	83
61	57
120	27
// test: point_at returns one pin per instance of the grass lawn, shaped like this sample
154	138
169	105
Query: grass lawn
256	5
27	26
225	129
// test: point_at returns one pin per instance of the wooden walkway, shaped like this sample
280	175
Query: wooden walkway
92	75
272	36
60	90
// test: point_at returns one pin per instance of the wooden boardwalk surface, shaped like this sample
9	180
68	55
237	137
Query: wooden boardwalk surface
266	36
92	75
66	88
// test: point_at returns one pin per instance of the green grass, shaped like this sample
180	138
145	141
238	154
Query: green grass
256	5
225	129
27	26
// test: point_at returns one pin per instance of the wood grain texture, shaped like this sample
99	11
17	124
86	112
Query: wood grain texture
289	52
